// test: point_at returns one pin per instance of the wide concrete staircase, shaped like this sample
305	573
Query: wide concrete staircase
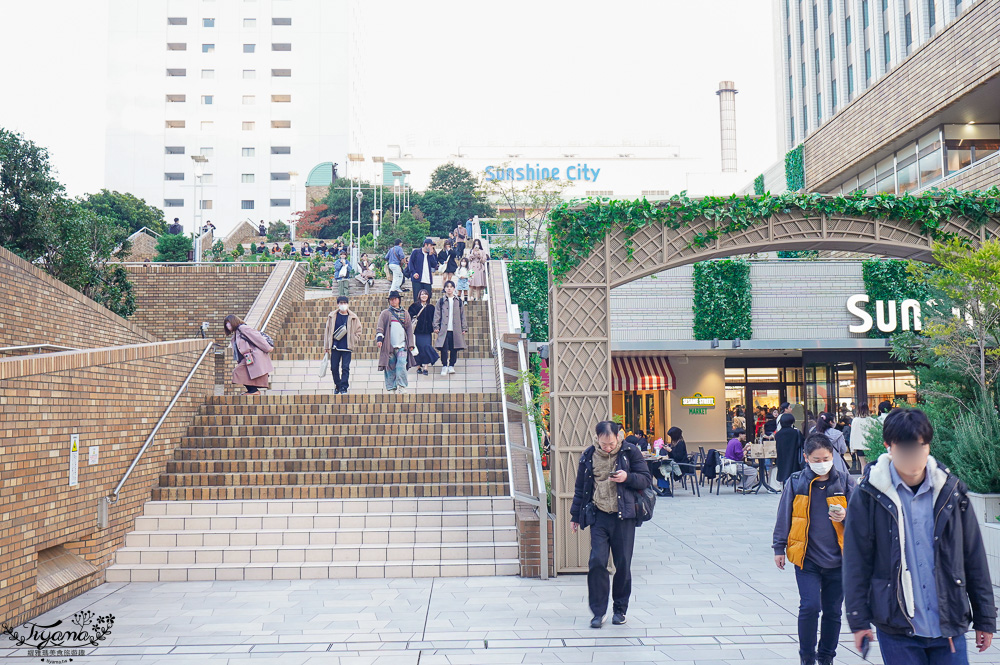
302	336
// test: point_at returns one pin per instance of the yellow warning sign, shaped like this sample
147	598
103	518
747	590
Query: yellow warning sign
74	448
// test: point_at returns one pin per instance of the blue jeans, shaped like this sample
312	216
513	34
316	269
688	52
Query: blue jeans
903	650
395	371
340	359
819	589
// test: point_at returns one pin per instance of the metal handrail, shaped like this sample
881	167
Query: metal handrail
28	347
277	301
498	372
113	497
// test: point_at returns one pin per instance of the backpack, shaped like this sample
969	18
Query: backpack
644	504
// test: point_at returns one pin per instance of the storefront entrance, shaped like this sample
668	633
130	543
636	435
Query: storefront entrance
757	383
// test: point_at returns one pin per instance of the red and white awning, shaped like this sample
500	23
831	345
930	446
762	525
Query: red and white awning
649	373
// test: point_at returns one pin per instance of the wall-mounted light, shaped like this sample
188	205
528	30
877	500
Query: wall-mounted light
715	343
736	343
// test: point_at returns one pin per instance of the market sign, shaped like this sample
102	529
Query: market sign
886	318
697	400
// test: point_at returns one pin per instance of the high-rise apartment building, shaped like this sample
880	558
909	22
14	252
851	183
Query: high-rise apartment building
263	90
831	51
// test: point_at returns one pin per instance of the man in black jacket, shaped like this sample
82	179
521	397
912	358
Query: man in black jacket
421	268
610	475
914	561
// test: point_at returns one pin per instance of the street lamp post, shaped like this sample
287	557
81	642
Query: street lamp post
292	223
406	191
199	231
354	248
396	194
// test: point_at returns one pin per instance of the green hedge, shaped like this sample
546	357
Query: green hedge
529	290
795	169
889	279
758	185
722	300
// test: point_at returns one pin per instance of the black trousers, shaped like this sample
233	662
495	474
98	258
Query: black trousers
449	354
618	536
340	366
460	248
417	286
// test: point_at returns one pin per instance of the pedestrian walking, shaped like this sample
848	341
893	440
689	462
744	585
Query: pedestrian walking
450	327
394	259
251	353
788	443
464	274
396	346
827	424
608	481
477	264
340	338
448	260
461	236
858	440
422	265
809	533
422	313
341	274
914	554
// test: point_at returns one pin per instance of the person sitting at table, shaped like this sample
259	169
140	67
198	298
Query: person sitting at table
638	439
676	449
735	460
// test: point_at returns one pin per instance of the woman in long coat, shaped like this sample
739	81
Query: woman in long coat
477	263
248	342
449	341
422	313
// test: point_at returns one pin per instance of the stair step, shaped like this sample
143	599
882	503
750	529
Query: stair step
300	536
408	429
289	492
336	465
340	453
310	570
347	442
358	419
424	400
331	506
339	478
335	408
400	520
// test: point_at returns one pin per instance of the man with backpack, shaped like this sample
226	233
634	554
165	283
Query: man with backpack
394	259
608	498
461	235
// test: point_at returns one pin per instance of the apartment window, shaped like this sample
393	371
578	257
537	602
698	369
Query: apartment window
868	65
173	203
174	150
246	204
930	165
175	124
791	128
817	61
249	152
249	73
847	29
177	20
208	73
850	82
906	169
281	47
207	99
788	44
833	94
885	45
207	178
281	124
281	72
967	144
207	152
931	13
281	203
805	118
819	108
281	99
208	22
173	176
803	74
281	149
802	32
249	99
833	50
791	95
208	48
207	125
176	72
281	21
249	23
249	48
248	125
176	98
247	178
908	28
866	19
885	176
177	46
205	204
885	5
280	176
815	16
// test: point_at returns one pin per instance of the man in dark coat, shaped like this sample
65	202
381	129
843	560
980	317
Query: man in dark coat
610	476
421	267
914	559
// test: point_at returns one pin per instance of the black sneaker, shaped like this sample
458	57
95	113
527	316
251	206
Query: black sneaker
619	618
597	622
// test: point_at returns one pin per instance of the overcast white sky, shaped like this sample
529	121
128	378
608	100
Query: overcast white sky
514	72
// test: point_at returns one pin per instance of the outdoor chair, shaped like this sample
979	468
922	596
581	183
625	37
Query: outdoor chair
690	470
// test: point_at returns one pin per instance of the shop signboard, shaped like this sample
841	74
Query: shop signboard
885	317
698	404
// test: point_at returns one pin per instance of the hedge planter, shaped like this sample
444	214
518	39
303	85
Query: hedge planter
987	507
991	539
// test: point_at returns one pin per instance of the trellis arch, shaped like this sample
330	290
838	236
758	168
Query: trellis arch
580	303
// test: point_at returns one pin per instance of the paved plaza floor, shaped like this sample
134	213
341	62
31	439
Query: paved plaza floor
472	375
705	592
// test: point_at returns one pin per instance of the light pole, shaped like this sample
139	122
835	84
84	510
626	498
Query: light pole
292	222
406	192
199	171
377	203
354	248
396	208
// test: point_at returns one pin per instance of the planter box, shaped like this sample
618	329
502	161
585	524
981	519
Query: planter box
991	539
987	507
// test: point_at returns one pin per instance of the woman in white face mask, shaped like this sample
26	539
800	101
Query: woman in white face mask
809	531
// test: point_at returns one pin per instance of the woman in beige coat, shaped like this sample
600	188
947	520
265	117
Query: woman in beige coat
250	351
450	327
477	263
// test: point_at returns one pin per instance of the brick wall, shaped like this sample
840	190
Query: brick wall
38	309
529	547
172	301
143	247
658	307
940	72
981	175
111	398
245	232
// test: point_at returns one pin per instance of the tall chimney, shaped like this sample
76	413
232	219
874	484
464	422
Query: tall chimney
727	118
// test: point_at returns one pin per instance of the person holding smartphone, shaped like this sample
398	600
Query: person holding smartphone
809	533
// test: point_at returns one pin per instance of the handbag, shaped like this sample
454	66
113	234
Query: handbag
339	333
588	515
644	505
324	365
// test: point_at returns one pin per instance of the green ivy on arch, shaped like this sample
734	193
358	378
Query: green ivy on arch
722	299
577	226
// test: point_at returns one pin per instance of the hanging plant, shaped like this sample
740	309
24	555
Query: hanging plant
722	300
795	169
758	185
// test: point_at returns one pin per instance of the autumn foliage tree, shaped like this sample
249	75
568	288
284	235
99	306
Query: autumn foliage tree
309	222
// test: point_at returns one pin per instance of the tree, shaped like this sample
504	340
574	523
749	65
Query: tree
173	248
451	178
28	193
409	229
113	289
451	198
339	202
526	206
128	210
309	222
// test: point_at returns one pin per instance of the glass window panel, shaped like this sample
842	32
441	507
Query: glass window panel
764	375
736	375
885	166
985	148
930	167
886	185
906	178
956	157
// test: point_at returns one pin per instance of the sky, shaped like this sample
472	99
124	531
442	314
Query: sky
512	72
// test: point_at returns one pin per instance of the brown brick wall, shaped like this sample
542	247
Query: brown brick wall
38	309
940	72
529	548
143	247
111	398
981	176
172	301
245	232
